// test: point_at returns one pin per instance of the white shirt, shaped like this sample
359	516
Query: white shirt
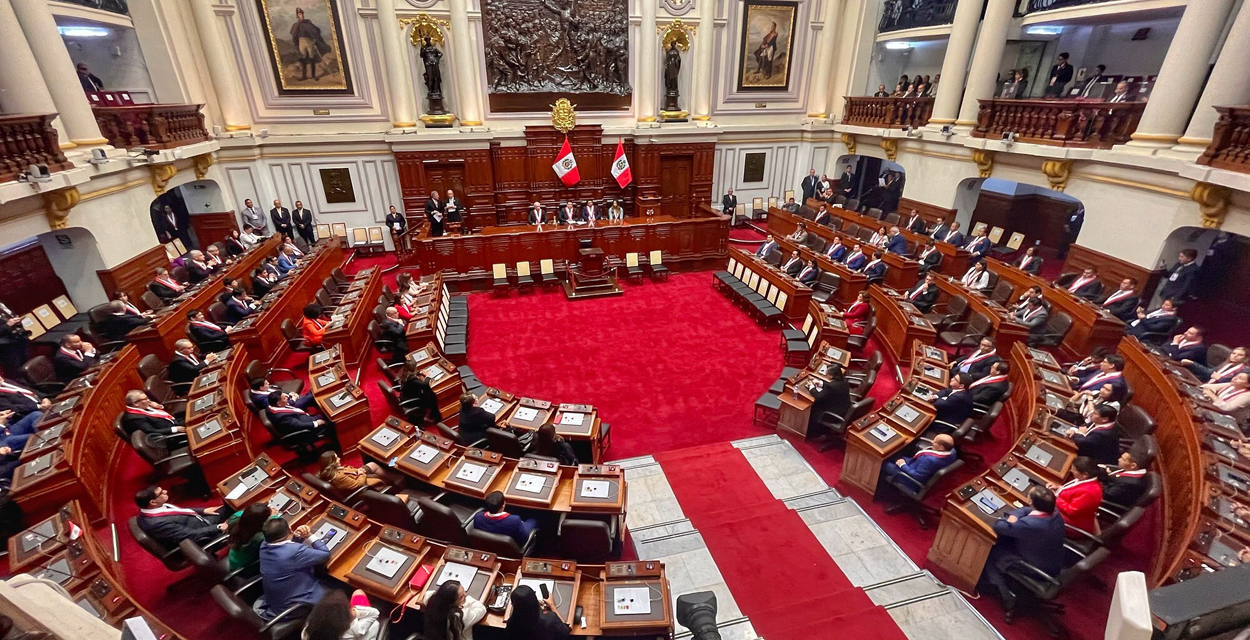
976	280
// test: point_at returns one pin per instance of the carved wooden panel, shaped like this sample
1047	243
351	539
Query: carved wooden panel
213	226
133	275
1111	270
29	280
930	212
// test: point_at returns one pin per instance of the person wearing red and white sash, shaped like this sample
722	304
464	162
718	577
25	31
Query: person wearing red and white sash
856	315
1232	398
1087	402
977	277
295	251
403	307
1100	438
209	336
1122	303
992	387
875	269
930	258
1034	534
143	414
1125	484
925	294
1029	262
1033	315
197	266
925	463
186	365
1110	371
1188	346
289	420
1087	285
164	286
214	260
73	357
977	363
24	403
1078	499
1236	363
169	524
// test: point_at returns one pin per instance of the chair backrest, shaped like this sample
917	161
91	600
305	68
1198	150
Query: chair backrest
546	266
179	273
631	259
288	330
158	389
1217	354
871	327
980	325
757	204
386	291
439	522
852	229
587	541
495	543
852	204
499	270
1002	292
522	268
217	311
97	313
860	409
957	306
1059	323
236	608
324	488
829	281
991	416
379	313
995	234
936	478
874	361
256	370
387	509
1015	241
892	218
205	563
1134	422
504	442
152	300
1149	445
864	385
656	257
875	213
839	199
330	284
171	558
39	370
151	452
375	330
150	365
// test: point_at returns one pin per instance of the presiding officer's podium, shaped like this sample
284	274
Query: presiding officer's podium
589	278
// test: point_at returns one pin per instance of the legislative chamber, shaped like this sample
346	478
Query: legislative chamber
538	319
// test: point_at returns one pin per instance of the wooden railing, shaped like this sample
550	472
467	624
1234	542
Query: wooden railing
27	139
910	14
1033	6
152	126
1065	123
890	113
1230	144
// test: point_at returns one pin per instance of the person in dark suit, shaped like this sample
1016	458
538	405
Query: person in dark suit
1092	81
288	565
953	404
875	268
1122	303
855	260
120	321
416	396
237	307
729	203
1126	483
164	285
434	214
1033	534
977	363
88	80
1236	363
1100	437
793	264
395	330
304	224
821	218
73	358
1087	285
495	520
810	273
925	294
992	387
1071	229
896	242
1110	371
262	388
810	186
453	207
169	525
474	420
143	414
209	336
1181	277
168	228
262	282
1060	76
830	397
1029	262
536	215
1034	315
287	418
186	365
979	245
281	217
1159	320
835	250
396	222
846	183
1188	346
27	406
930	258
951	235
234	244
198	269
915	223
922	466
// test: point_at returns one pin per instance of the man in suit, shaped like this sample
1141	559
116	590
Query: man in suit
855	260
846	183
186	365
729	203
810	186
925	294
1092	82
209	336
1122	303
830	397
288	565
822	215
875	268
979	245
1181	278
1099	438
1060	76
495	520
992	387
288	419
767	247
474	420
1033	314
793	207
396	222
930	258
1159	320
536	215
1236	363
262	388
120	321
953	404
1126	483
794	264
922	466
1029	262
1121	93
304	225
254	218
281	217
977	364
395	330
1033	534
915	223
21	409
169	524
263	282
895	242
198	269
143	414
952	235
1087	285
835	250
434	214
287	260
453	207
73	357
1188	346
567	214
237	306
590	211
168	229
800	233
1110	371
809	274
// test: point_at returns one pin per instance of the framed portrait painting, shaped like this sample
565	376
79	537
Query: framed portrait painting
767	42
306	47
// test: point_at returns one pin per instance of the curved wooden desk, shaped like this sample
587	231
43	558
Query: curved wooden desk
1007	331
901	272
900	325
1091	325
954	259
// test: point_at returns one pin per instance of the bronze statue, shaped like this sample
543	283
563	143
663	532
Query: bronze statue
672	69
430	55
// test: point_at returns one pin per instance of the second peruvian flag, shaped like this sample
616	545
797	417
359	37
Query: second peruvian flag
566	165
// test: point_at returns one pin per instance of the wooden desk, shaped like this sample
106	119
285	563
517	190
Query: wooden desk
900	325
850	283
348	326
261	333
880	436
797	294
954	259
824	323
1092	326
901	272
1007	331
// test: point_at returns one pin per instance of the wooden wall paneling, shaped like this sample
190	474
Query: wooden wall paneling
1111	270
133	275
30	280
214	226
1038	217
930	212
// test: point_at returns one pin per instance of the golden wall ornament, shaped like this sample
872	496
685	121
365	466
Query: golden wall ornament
984	160
423	26
1057	172
564	115
57	205
849	141
161	175
890	145
202	162
676	31
1212	201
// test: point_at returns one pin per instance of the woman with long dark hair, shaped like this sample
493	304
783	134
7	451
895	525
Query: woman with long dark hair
334	618
548	443
244	536
416	396
450	613
534	620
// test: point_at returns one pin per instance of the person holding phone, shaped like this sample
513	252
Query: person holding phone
450	613
533	619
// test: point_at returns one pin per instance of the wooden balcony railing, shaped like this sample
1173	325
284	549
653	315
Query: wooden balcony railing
27	139
152	126
910	14
889	113
1064	123
1230	144
1033	6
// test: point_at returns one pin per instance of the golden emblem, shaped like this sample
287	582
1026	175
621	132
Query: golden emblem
676	31
563	115
424	26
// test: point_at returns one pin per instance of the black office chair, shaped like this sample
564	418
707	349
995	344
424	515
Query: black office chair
1038	589
504	443
914	492
381	344
214	569
1057	327
257	370
1134	423
860	391
392	510
172	558
834	426
860	368
1110	511
826	285
966	334
294	340
207	346
1002	292
952	312
1081	543
857	343
151	365
501	545
445	523
983	424
41	375
286	625
152	300
168	463
167	394
586	541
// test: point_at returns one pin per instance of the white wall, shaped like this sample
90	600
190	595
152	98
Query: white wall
1113	45
115	59
924	58
75	256
785	165
203	196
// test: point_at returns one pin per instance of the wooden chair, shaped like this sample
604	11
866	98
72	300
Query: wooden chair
547	272
499	275
633	270
658	269
524	281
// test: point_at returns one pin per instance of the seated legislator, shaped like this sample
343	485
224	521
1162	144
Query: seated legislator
185	366
403	306
262	388
214	259
875	268
532	619
1033	534
766	248
1188	346
1232	398
549	443
1078	499
312	326
977	363
896	242
1029	262
1126	483
793	207
287	260
1100	438
821	218
238	306
263	282
830	397
879	237
1236	363
1032	293
395	330
977	277
953	404
210	336
474	421
198	269
287	418
835	250
536	214
1087	285
809	274
1034	316
169	524
855	260
856	315
1088	365
270	264
930	258
567	214
949	235
925	294
1122	303
288	564
800	233
915	222
289	242
1110	371
926	462
164	285
121	319
1083	404
234	244
992	387
1161	319
495	520
27	407
144	414
979	245
616	213
793	264
73	357
251	236
590	212
416	396
347	478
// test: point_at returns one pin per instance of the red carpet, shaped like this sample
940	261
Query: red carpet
744	535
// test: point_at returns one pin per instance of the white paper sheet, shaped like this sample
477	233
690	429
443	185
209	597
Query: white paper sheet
595	488
536	585
492	406
526	414
385	437
572	419
461	573
631	601
907	414
424	453
531	483
470	472
237	492
883	433
386	562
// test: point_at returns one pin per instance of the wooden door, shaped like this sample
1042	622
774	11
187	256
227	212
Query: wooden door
441	177
675	176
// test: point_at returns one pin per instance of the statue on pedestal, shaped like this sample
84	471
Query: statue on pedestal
430	56
672	70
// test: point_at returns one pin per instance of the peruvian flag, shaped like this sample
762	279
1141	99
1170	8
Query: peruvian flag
566	165
620	166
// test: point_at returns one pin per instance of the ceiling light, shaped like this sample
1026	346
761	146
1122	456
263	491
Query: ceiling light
898	46
83	32
1040	30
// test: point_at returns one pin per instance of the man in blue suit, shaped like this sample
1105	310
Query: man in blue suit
953	404
979	245
875	269
925	463
1110	371
1032	534
287	260
836	251
895	242
856	259
768	245
495	520
287	566
952	235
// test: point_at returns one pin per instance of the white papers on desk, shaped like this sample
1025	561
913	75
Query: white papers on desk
330	533
537	584
385	436
883	433
237	492
988	501
631	601
434	373
526	414
1039	455
492	406
531	483
595	488
834	353
572	419
386	562
907	414
470	472
326	378
340	399
424	453
462	573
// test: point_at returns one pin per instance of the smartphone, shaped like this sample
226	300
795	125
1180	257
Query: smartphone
543	588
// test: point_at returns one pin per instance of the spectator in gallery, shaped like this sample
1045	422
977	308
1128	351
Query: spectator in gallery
88	80
1060	76
881	92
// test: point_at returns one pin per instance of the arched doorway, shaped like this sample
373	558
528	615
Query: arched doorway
1046	219
1218	299
874	182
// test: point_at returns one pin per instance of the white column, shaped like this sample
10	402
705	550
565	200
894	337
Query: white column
1230	90
398	76
955	64
985	61
466	76
1181	76
704	72
221	67
18	92
648	41
58	72
826	51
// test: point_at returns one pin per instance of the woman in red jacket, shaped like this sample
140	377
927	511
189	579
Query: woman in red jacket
403	306
856	315
1078	500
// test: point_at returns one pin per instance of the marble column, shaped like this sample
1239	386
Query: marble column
466	65
221	67
826	51
986	60
1233	87
18	93
704	70
648	42
398	73
955	64
1183	71
58	72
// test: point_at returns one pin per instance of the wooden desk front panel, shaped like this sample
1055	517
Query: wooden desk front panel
1090	329
901	273
353	336
1007	331
264	336
895	326
954	259
798	295
960	549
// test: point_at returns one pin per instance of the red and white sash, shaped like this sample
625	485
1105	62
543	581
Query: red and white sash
151	413
1228	368
977	357
1159	313
924	254
921	289
870	265
12	388
495	516
933	453
288	409
168	510
77	355
1097	381
169	282
1116	297
1080	282
206	324
1225	395
191	358
988	380
1024	262
1033	312
1074	483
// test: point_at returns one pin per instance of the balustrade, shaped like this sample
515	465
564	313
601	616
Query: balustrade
890	113
1065	123
27	139
1230	143
152	126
